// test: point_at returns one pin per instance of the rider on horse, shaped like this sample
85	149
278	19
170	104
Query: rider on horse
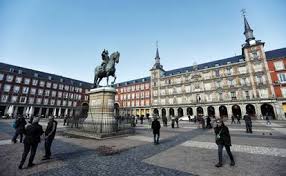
105	59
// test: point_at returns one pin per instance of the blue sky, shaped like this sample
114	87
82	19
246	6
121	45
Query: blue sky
66	37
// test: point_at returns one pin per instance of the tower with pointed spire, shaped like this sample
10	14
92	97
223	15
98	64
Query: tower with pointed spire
157	64
254	55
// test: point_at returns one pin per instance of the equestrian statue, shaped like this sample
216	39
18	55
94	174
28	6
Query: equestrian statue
107	67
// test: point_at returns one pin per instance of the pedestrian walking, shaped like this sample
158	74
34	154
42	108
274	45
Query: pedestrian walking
267	118
177	121
65	120
223	140
209	125
33	134
49	136
238	118
173	122
156	130
20	129
248	123
232	119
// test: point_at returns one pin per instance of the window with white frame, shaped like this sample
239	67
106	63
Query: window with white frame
16	89
33	91
27	81
55	86
58	102
54	93
258	67
64	103
60	94
279	65
9	78
7	87
18	79
70	103
31	100
14	99
47	92
66	87
4	98
49	84
1	76
40	91
61	87
39	100
283	90
52	102
42	83
233	95
65	95
25	90
142	94
74	104
263	93
229	71
242	69
282	77
35	82
23	99
142	102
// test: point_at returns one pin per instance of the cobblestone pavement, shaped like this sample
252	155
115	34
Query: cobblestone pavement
182	151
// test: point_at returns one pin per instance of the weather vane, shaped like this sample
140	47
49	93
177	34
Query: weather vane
243	12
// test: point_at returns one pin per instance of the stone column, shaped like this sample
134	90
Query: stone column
167	113
176	112
185	111
216	111
229	111
15	110
258	110
101	111
160	112
40	112
243	109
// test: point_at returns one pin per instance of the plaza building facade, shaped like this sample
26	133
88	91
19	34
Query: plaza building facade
30	92
277	69
231	86
133	97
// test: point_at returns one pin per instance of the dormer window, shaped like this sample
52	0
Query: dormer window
216	65
11	70
50	78
20	71
36	75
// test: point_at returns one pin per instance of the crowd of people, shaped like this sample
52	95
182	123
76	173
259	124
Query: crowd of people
31	132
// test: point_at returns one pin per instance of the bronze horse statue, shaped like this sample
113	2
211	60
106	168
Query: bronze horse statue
107	70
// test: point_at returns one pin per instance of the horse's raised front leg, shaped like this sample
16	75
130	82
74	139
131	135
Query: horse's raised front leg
97	84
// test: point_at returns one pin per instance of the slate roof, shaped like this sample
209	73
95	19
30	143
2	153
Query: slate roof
140	80
274	54
45	76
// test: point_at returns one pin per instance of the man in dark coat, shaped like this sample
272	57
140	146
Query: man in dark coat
20	128
49	137
248	123
223	140
156	130
33	134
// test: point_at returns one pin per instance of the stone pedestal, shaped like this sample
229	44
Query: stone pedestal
101	111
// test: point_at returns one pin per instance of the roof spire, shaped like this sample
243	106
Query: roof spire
157	58
248	32
157	52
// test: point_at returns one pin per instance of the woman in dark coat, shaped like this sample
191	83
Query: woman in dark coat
223	140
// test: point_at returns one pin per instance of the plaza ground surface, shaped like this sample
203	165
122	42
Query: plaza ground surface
186	150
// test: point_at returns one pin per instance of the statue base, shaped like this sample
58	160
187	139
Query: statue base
101	111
